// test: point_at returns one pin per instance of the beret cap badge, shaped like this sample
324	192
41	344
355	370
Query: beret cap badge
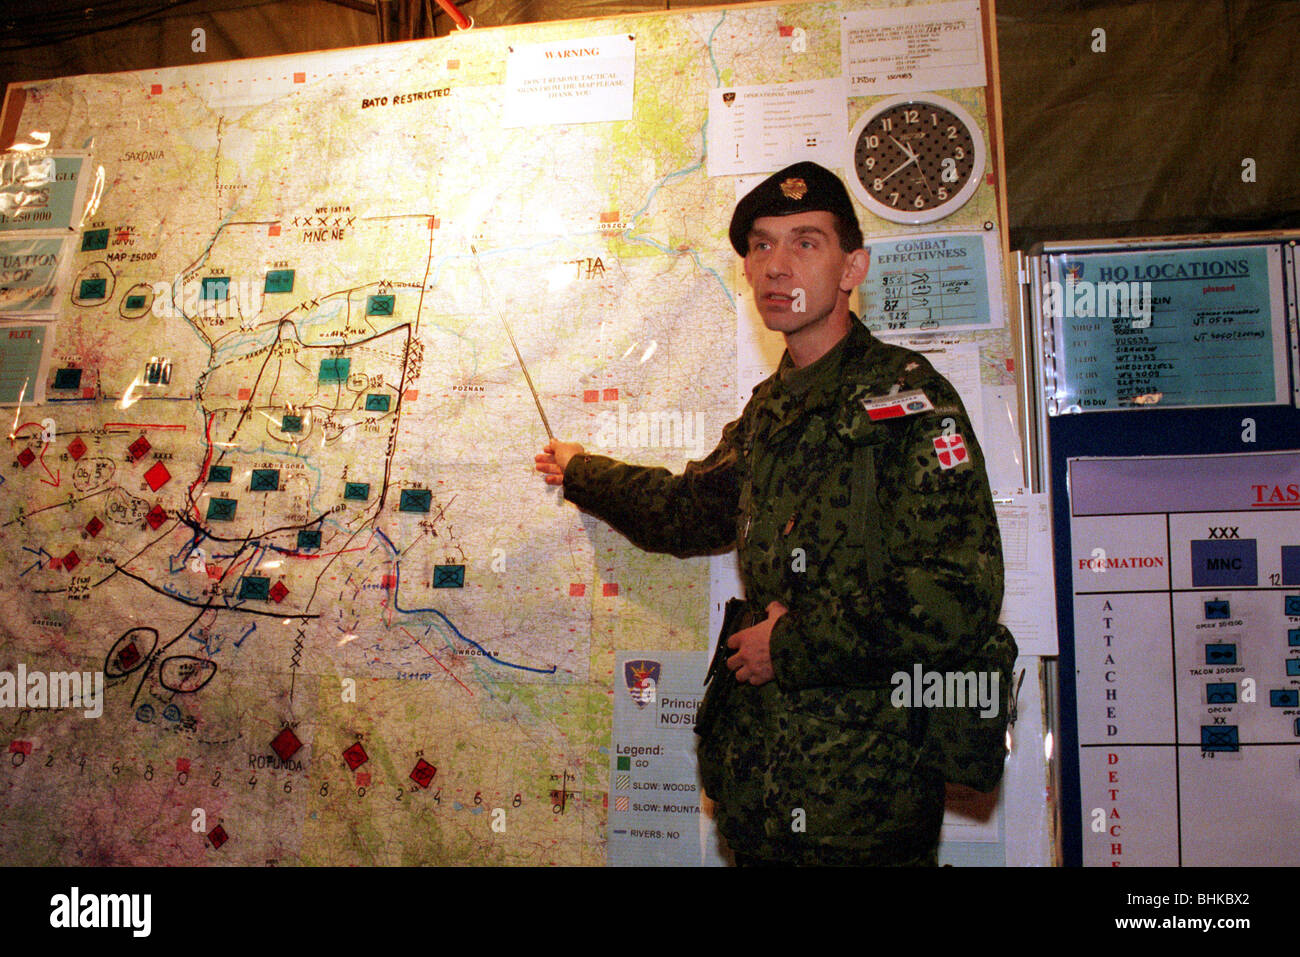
794	188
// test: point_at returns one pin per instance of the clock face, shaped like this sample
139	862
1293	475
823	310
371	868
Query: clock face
916	158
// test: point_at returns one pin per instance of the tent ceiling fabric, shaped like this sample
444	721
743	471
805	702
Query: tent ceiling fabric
1148	137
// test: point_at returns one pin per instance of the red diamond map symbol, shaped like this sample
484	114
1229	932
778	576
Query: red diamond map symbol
423	773
355	756
127	657
278	591
156	517
286	744
157	476
77	449
139	447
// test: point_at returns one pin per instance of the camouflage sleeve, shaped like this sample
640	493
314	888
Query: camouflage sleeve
941	587
689	514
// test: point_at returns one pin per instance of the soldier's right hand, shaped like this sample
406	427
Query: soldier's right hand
554	458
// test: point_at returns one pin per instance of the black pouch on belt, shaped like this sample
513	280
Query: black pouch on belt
720	682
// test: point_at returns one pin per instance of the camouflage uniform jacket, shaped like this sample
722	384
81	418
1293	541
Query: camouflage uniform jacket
817	765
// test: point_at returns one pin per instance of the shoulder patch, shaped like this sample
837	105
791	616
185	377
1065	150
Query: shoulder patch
951	450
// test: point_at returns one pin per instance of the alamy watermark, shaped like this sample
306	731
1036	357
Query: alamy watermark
670	428
214	297
75	909
946	689
54	689
1084	299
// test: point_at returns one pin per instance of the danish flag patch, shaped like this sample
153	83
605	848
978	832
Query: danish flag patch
951	450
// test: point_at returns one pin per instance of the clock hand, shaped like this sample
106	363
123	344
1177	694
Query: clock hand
907	150
912	154
904	166
909	153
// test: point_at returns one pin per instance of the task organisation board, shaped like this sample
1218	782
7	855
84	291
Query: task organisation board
1186	601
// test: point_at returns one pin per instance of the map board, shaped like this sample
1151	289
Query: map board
280	490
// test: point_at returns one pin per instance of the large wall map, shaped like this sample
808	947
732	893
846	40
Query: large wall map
281	491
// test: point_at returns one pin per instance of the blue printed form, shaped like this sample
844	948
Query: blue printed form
40	190
1174	328
28	268
22	352
936	282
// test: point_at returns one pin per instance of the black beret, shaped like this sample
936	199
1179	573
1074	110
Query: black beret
801	188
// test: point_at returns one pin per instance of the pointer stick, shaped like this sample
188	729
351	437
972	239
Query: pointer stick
527	378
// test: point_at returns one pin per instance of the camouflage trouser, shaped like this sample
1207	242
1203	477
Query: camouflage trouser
830	794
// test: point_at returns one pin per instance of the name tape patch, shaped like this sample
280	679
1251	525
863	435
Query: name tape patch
896	405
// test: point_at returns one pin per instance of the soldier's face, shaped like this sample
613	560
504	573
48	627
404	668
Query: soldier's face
798	271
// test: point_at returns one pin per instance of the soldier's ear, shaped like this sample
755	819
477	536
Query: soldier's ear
856	266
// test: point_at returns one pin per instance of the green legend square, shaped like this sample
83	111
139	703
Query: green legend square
625	764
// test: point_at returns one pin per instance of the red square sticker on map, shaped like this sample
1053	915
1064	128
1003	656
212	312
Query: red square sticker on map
610	395
155	89
273	231
609	589
245	393
590	395
577	589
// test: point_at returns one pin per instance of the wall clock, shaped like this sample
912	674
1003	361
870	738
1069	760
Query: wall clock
916	158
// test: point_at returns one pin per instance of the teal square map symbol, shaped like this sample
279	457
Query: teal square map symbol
215	288
335	370
380	305
279	280
93	239
255	587
222	509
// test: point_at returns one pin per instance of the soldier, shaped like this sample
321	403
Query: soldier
855	493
